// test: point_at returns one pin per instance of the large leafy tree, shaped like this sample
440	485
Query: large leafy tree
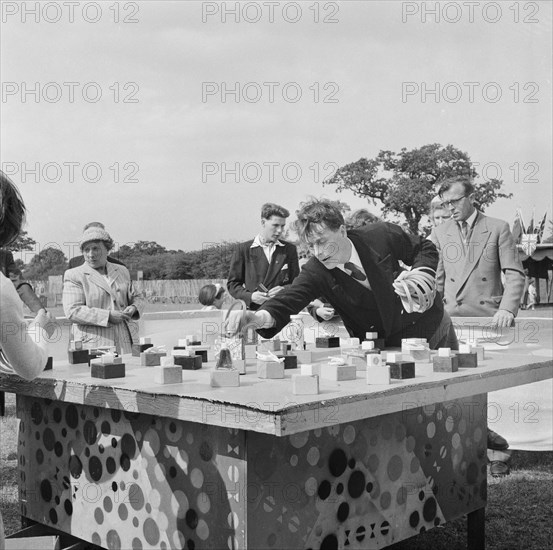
23	242
50	261
404	183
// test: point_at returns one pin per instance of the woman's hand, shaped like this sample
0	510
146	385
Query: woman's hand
46	321
118	317
130	311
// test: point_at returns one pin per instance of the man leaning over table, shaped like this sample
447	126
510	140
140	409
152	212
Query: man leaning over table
262	267
355	271
475	251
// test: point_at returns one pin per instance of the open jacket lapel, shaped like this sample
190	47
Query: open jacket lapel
99	280
473	252
277	261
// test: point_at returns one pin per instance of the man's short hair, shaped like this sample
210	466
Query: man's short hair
315	215
269	209
465	181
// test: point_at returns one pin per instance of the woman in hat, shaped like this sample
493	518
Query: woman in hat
98	296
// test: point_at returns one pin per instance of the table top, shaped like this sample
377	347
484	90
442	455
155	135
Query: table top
269	406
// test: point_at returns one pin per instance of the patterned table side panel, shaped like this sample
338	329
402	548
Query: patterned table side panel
368	484
130	481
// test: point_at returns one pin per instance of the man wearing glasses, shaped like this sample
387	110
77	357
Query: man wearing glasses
475	252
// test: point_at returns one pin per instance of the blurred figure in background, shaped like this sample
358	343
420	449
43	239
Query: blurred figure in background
359	218
211	297
439	213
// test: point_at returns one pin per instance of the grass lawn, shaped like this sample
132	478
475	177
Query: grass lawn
518	515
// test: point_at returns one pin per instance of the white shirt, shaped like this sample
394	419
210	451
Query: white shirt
470	222
268	248
355	259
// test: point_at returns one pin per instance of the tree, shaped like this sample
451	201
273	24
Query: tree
549	238
405	182
23	242
50	261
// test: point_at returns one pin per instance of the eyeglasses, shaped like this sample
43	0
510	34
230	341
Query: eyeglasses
453	202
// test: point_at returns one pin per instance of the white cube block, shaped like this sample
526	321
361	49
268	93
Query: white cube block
465	348
183	353
305	384
375	360
371	335
393	357
249	351
168	374
108	358
270	369
310	369
190	338
479	350
78	344
145	340
354	342
239	365
183	342
444	352
378	375
223	378
338	373
166	361
367	344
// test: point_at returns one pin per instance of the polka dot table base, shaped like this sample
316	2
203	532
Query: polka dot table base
132	481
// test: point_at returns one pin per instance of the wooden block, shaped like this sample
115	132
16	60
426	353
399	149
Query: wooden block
144	340
368	345
338	373
371	335
183	352
167	361
444	352
467	360
106	371
445	364
223	378
151	359
270	369
92	355
183	342
199	350
78	344
239	365
378	375
354	342
49	363
465	348
188	363
304	356
168	374
310	369
249	351
402	370
137	349
305	385
327	342
374	360
290	361
479	350
393	356
77	356
269	345
358	359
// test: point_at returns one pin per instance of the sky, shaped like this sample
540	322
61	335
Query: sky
175	121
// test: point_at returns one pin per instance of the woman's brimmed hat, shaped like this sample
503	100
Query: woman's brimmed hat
96	234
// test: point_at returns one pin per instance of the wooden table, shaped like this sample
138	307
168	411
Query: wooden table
129	464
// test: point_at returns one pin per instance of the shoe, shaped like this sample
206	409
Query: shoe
499	469
496	442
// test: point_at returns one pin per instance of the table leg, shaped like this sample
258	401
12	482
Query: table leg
476	529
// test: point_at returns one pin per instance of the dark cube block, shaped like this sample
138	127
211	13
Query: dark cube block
107	371
290	361
202	353
445	364
467	360
49	364
137	349
188	363
78	356
327	342
402	370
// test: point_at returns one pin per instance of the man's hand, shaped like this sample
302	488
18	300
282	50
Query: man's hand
259	297
325	313
503	318
118	317
238	320
274	291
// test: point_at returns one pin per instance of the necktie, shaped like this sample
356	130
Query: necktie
356	273
464	230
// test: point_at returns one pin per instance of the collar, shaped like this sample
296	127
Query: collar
257	242
471	219
354	258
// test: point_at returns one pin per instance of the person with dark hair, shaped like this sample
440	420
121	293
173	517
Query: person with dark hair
24	350
211	297
79	260
355	271
475	250
262	267
359	218
98	296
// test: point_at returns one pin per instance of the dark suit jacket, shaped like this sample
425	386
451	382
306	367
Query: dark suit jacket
249	267
79	260
379	246
7	262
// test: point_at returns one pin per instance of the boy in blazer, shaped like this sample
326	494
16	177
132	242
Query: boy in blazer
262	267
